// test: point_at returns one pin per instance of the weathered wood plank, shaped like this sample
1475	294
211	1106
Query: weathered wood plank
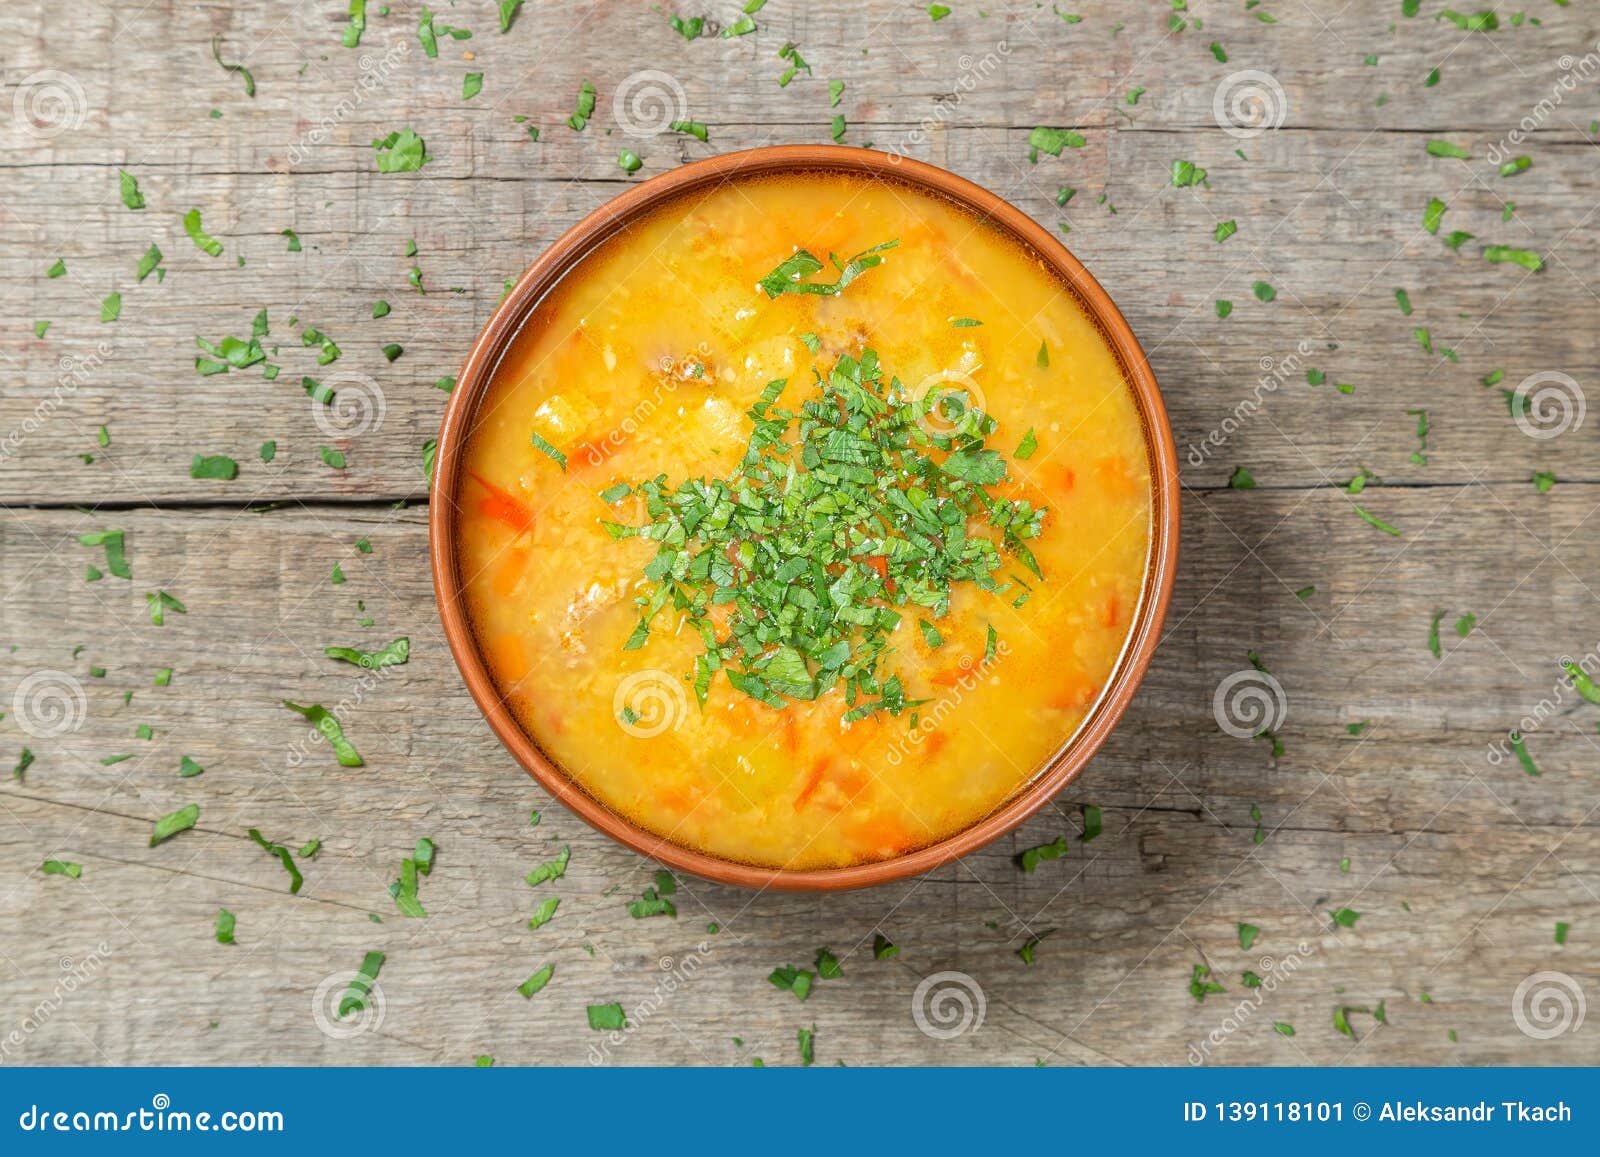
1487	858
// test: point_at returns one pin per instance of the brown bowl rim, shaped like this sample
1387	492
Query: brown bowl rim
567	250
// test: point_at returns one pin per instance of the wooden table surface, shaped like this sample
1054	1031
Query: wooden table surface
1395	793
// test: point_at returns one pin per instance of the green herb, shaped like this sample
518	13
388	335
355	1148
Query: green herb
1250	978
1283	1028
1241	479
508	13
170	825
75	870
835	91
792	980
1030	858
629	162
159	603
1224	230
40	328
1503	254
1562	928
1431	79
147	263
1263	291
696	129
935	12
882	948
1044	139
1404	299
1433	214
1374	520
188	768
59	269
543	913
217	466
688	29
808	1036
1025	448
285	857
1345	917
224	926
392	351
1199	986
1247	936
607	1017
828	965
740	27
537	981
1134	94
471	85
203	240
392	655
548	450
331	457
1186	174
1446	149
244	73
402	151
1516	165
131	197
355	996
325	723
580	118
163	677
1465	624
790	274
111	307
112	540
549	870
836	127
1224	307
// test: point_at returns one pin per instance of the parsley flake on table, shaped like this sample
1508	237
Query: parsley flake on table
328	726
402	151
68	868
360	988
1030	858
174	822
606	1017
536	982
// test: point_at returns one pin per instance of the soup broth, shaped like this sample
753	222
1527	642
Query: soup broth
805	561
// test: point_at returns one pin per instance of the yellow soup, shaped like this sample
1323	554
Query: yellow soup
806	520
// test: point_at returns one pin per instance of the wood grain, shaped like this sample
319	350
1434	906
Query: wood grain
1459	862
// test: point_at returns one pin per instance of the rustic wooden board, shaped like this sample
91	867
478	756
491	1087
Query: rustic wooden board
1460	863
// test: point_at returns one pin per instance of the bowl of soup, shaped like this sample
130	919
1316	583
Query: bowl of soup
804	517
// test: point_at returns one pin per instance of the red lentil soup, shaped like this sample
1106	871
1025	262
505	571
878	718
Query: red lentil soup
805	520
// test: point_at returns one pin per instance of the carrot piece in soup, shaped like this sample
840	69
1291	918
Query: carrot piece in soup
503	506
508	658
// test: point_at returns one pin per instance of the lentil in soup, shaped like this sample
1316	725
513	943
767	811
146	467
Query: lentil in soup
805	561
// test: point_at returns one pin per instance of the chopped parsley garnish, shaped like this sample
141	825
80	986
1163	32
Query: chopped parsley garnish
159	603
203	240
1247	935
607	1017
1263	291
284	855
1199	986
1044	139
323	720
112	540
1504	254
147	263
537	981
818	545
471	85
549	870
882	947
188	768
402	151
1224	230
355	996
131	197
544	912
1241	479
790	274
72	869
580	118
1447	149
244	73
218	466
1030	858
792	980
1345	917
171	824
393	655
